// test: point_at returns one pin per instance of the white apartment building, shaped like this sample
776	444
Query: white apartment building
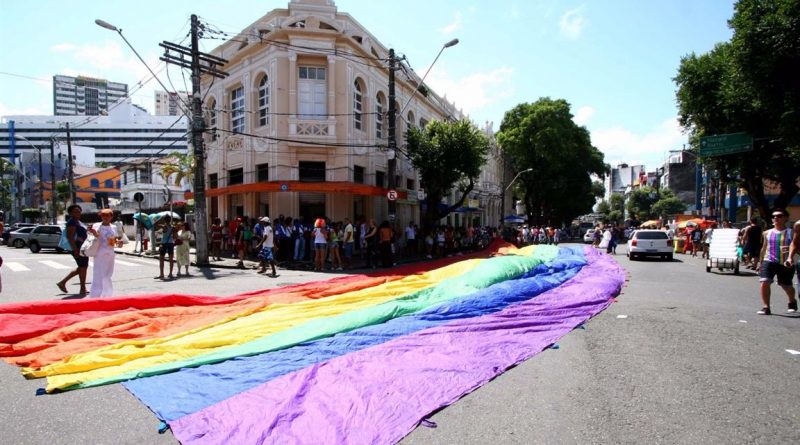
85	96
126	133
301	125
170	103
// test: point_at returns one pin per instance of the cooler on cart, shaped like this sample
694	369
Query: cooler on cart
723	250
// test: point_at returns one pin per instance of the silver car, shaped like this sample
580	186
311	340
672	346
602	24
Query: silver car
45	236
650	243
19	237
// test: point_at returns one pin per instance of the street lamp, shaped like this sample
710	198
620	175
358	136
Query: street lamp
391	163
453	42
505	189
110	27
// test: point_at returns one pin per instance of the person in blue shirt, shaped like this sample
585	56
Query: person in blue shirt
76	235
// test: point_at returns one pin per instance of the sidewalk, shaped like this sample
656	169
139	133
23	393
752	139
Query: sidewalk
227	262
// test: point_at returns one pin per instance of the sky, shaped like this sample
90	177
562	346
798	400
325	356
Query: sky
613	60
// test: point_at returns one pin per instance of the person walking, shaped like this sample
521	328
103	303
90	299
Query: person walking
794	252
371	241
76	235
167	247
108	238
348	244
241	238
320	236
751	244
775	261
385	235
182	240
266	253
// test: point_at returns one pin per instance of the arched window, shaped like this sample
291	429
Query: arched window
422	123
263	101
237	110
109	184
94	183
379	116
410	122
211	118
357	105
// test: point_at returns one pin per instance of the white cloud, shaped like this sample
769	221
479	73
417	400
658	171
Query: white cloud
458	23
572	23
583	115
651	148
476	90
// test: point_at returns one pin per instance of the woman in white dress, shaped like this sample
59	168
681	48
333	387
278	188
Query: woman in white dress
108	239
606	239
182	246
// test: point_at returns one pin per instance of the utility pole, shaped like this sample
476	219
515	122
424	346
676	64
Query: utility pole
199	63
392	149
71	172
53	181
41	182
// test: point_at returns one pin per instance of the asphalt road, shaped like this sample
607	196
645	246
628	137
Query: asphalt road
689	363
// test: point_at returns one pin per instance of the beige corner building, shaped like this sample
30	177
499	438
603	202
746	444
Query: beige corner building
301	121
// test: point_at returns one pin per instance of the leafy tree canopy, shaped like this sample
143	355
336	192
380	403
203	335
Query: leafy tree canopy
446	155
750	84
542	136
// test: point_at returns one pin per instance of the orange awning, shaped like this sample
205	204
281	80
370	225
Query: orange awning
298	186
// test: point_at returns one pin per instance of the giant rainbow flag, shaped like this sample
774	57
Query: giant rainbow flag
355	359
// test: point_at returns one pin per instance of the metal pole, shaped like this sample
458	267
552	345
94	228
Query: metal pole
53	181
198	127
392	161
71	173
41	183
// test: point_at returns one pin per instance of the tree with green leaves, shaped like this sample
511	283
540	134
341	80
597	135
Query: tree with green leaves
750	84
648	202
668	206
446	155
542	136
180	164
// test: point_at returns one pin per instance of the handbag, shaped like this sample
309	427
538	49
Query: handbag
90	246
63	242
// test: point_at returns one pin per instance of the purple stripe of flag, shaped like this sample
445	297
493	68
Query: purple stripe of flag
380	394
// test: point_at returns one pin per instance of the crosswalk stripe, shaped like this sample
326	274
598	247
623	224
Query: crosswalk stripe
54	264
125	263
16	267
141	261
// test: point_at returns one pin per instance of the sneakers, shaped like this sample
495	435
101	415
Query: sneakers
764	311
792	307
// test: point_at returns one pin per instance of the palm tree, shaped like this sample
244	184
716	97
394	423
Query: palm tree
180	164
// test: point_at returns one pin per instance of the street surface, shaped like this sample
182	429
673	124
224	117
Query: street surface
680	358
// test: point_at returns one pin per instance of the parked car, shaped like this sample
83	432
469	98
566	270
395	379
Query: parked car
45	236
588	237
13	227
19	237
650	243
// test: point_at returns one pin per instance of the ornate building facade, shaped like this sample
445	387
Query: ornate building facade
300	128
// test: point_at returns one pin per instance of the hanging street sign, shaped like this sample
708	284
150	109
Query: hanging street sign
725	144
391	195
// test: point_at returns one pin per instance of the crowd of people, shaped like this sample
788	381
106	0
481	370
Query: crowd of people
338	245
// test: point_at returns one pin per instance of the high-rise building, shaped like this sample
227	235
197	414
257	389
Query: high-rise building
125	133
170	103
85	96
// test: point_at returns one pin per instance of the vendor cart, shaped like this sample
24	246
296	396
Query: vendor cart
722	252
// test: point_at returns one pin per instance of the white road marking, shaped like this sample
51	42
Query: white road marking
742	321
139	260
622	316
125	263
16	267
54	264
793	352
